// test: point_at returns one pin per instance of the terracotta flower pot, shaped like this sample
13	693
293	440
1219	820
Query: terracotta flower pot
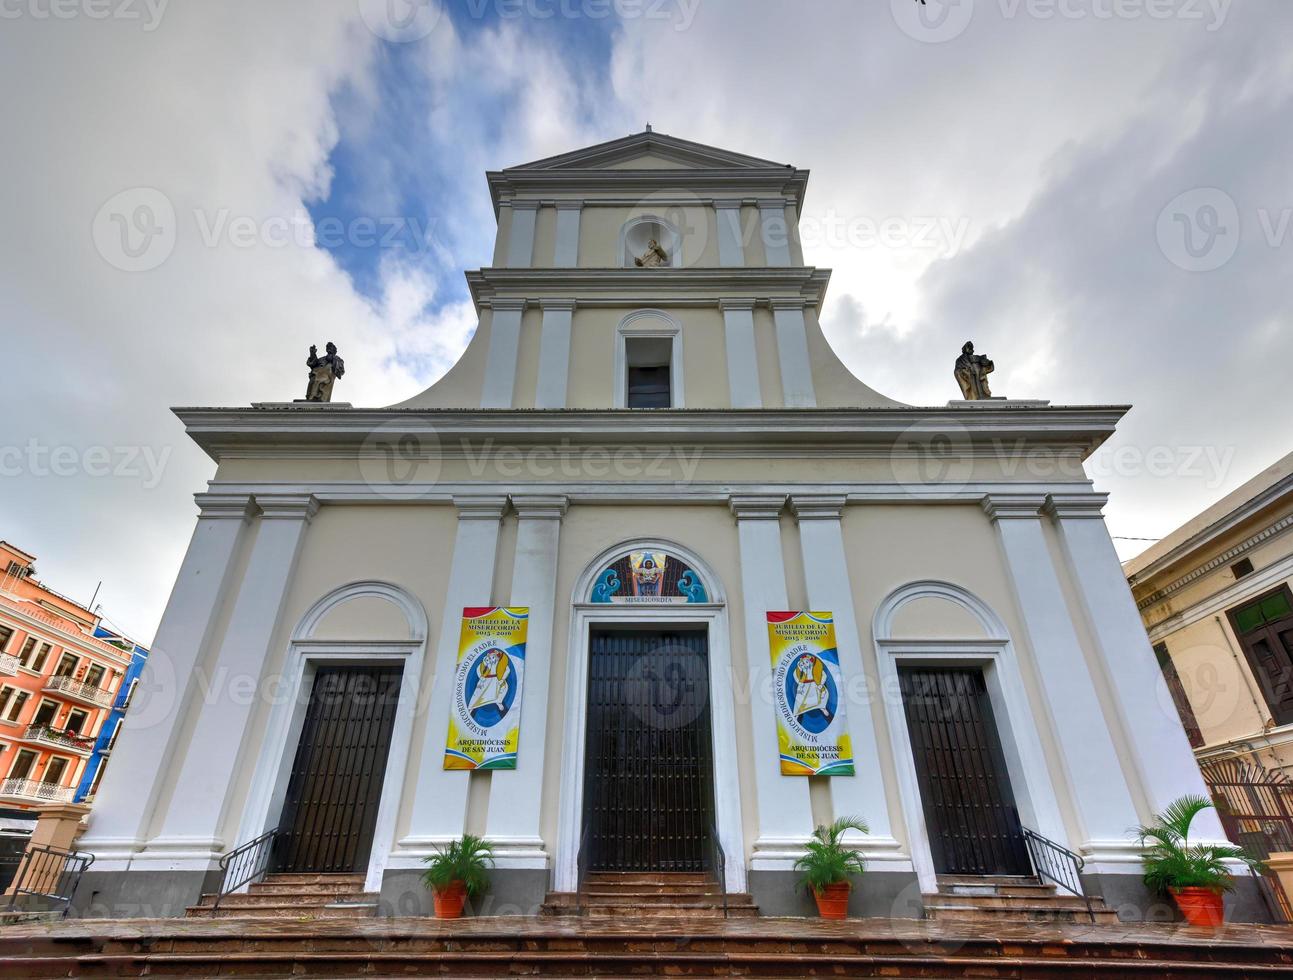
833	901
449	900
1200	906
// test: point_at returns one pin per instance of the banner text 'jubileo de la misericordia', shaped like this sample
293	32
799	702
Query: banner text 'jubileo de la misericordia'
808	695
485	714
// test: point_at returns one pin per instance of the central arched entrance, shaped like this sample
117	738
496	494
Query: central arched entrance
648	751
651	780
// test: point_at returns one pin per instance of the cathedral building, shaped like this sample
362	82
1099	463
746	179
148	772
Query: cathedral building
649	582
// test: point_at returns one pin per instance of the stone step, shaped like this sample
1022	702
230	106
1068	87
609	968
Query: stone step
309	888
625	897
647	878
1016	891
291	910
299	899
294	879
1015	901
944	912
463	963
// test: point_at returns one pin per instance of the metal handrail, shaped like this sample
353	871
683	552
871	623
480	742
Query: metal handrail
245	863
719	857
1058	864
49	873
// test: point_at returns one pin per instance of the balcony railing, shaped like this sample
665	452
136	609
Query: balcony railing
70	687
8	664
56	738
31	789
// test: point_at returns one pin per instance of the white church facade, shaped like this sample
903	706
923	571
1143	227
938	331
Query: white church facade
648	576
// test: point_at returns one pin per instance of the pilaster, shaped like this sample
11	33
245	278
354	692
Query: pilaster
143	758
731	243
440	797
512	825
566	251
499	387
775	231
1092	769
1163	758
821	538
792	354
520	240
218	748
742	358
554	353
785	818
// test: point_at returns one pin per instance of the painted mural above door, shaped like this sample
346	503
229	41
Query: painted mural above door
648	577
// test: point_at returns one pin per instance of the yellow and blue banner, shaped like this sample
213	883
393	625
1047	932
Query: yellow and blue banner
808	695
485	713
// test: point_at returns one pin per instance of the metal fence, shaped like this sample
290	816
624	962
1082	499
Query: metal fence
1256	809
47	878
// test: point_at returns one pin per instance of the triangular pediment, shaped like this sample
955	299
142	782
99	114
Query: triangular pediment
650	151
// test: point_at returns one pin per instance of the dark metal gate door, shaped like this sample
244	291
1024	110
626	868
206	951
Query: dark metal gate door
964	786
648	768
336	782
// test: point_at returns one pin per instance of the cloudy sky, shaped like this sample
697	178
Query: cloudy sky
1097	191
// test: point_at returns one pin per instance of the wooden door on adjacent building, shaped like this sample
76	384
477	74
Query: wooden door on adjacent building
965	789
1265	628
335	786
648	768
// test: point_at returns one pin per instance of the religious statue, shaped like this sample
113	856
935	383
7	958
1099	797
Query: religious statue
324	372
653	258
972	372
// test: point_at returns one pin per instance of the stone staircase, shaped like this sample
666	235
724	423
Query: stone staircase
650	895
1010	899
636	947
293	896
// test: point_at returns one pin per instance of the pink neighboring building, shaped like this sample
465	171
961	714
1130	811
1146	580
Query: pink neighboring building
57	686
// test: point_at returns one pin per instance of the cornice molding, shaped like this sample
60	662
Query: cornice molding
1013	507
480	507
810	507
757	507
696	286
287	506
1076	430
1076	506
224	506
530	507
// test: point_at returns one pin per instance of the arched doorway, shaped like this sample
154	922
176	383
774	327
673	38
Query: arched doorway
650	736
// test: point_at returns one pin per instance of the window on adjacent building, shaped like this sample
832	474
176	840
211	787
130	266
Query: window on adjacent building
55	770
1265	630
649	372
76	719
94	676
98	778
130	693
24	657
14	701
1177	690
23	764
46	713
38	662
6	634
66	665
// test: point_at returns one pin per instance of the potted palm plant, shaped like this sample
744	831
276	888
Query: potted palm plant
828	864
1195	875
457	871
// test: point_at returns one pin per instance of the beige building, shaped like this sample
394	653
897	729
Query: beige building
651	456
1215	596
